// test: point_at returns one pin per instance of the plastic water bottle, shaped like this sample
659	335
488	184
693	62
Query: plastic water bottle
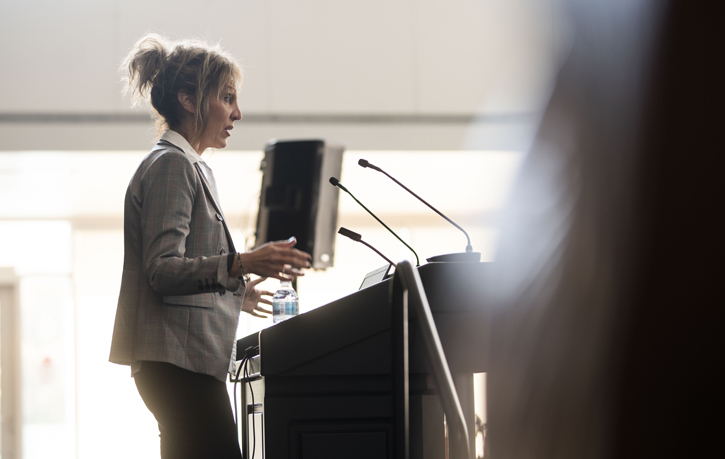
285	303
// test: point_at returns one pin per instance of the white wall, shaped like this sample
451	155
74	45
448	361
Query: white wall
60	62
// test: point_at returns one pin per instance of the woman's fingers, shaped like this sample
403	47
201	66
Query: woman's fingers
253	298
265	300
264	310
278	260
289	255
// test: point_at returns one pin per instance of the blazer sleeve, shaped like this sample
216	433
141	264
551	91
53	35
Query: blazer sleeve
169	188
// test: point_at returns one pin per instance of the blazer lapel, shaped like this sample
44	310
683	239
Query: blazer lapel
212	195
208	189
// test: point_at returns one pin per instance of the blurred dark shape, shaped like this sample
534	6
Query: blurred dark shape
605	311
296	200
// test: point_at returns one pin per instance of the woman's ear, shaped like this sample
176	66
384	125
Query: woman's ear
187	101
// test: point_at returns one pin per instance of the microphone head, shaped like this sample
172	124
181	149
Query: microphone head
351	234
365	163
334	181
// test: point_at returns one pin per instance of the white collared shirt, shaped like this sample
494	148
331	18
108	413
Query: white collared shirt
180	141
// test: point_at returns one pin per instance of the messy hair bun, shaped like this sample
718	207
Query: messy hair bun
157	70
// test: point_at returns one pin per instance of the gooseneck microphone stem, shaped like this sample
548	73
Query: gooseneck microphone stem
378	252
364	163
337	183
357	238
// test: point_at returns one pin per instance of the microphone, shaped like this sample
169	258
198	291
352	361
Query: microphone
366	164
336	182
357	238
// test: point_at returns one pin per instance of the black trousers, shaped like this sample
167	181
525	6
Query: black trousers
193	411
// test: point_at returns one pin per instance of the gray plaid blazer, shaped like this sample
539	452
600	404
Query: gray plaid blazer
177	303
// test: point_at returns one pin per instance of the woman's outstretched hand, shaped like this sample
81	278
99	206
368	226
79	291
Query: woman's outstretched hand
279	260
252	298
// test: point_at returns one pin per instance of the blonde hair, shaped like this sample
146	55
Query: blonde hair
157	70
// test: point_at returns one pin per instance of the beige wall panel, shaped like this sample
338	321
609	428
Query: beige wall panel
342	57
486	56
57	56
450	57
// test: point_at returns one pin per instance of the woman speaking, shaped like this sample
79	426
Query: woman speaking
183	283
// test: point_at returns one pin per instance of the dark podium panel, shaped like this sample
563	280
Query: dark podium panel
322	381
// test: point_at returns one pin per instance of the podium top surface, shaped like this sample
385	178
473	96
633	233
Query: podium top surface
352	334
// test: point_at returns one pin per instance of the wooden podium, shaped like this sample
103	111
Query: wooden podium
321	386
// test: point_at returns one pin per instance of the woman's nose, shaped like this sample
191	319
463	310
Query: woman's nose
236	113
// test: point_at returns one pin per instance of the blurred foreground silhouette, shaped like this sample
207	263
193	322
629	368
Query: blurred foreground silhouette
605	312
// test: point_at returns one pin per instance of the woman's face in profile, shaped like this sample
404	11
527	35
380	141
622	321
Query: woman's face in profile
223	112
